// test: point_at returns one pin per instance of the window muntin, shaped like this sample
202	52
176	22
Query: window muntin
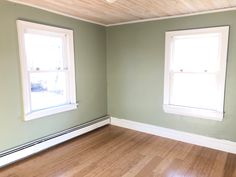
195	67
47	64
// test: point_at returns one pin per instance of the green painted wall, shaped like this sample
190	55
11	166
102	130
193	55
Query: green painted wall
90	59
123	65
135	73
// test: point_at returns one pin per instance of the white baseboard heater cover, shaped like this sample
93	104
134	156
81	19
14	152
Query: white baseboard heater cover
12	155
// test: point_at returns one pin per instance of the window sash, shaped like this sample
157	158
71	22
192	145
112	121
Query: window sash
208	66
67	89
65	51
49	70
217	89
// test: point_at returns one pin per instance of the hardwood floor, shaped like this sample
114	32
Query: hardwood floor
112	152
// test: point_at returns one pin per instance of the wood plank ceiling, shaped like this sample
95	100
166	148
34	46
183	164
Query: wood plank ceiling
106	13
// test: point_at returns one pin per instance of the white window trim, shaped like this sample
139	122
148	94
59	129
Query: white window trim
188	111
28	114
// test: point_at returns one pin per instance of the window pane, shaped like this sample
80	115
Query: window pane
196	52
43	52
47	90
194	90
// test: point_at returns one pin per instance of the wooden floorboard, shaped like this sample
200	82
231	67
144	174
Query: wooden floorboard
113	152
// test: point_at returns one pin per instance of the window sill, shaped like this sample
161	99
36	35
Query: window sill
49	111
194	112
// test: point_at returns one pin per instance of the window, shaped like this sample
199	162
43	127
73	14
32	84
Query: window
195	66
47	67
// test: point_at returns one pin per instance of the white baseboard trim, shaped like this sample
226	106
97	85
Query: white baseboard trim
213	143
25	152
218	144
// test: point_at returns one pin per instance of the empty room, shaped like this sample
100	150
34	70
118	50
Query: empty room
118	88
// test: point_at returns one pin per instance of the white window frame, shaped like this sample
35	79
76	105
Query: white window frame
24	26
217	114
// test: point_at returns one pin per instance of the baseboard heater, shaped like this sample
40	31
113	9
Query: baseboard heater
12	155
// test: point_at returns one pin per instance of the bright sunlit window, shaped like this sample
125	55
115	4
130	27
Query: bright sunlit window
195	66
47	65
